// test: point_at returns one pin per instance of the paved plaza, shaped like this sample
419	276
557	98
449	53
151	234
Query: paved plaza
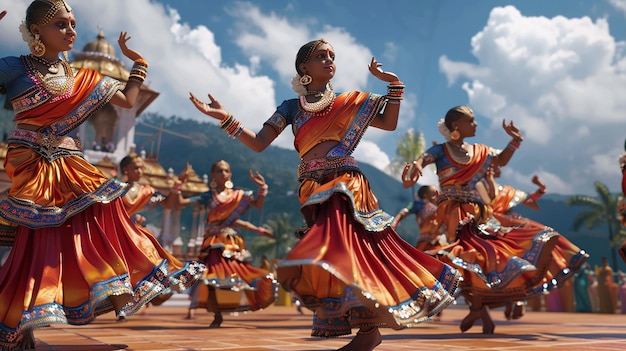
164	328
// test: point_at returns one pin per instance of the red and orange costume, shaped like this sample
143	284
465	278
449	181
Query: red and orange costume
228	261
73	243
350	267
503	258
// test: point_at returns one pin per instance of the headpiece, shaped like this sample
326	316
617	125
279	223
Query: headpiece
56	5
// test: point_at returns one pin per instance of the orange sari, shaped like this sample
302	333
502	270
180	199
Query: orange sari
351	268
503	258
74	244
240	286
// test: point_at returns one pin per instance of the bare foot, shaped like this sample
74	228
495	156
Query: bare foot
508	310
217	321
365	340
469	320
488	325
189	314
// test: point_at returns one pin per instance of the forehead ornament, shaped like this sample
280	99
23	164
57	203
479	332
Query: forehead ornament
56	5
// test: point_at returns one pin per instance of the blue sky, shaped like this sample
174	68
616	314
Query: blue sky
556	68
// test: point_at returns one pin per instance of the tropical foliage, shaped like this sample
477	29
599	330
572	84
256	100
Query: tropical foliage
602	210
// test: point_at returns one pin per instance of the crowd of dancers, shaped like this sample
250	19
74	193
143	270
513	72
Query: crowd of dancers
80	249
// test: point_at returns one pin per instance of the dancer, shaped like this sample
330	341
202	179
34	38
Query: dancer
229	266
431	231
581	289
142	196
350	267
75	252
604	274
622	204
502	199
503	259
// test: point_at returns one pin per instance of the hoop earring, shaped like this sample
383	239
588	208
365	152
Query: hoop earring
213	184
37	47
228	184
306	79
455	135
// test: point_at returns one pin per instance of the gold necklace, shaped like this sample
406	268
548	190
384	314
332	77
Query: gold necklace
459	153
57	86
324	102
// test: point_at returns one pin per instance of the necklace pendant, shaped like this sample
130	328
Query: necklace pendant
53	69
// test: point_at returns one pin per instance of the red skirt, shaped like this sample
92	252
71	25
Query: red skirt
65	274
353	278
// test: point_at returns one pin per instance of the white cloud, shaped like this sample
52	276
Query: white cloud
186	58
370	153
562	80
619	4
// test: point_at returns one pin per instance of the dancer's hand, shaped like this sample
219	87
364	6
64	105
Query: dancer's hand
130	53
213	109
411	174
3	13
184	173
257	178
375	70
512	130
265	232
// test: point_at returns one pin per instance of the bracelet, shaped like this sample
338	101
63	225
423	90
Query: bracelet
393	101
513	145
263	191
139	71
537	194
232	126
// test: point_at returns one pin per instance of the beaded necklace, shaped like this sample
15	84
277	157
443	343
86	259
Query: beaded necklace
326	101
57	86
53	66
459	153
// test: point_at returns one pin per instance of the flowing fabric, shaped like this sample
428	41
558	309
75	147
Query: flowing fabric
351	268
148	195
622	211
430	230
74	244
239	285
504	257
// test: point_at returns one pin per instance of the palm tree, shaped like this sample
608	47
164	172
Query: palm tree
284	238
602	210
409	148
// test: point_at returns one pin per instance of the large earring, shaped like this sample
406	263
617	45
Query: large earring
213	184
455	135
37	47
228	184
306	79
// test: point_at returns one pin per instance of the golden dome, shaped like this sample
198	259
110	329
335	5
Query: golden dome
99	55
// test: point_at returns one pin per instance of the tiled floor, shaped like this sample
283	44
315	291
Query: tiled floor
283	328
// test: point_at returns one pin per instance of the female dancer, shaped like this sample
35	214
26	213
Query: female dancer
76	254
425	212
622	204
502	199
224	250
350	267
503	259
